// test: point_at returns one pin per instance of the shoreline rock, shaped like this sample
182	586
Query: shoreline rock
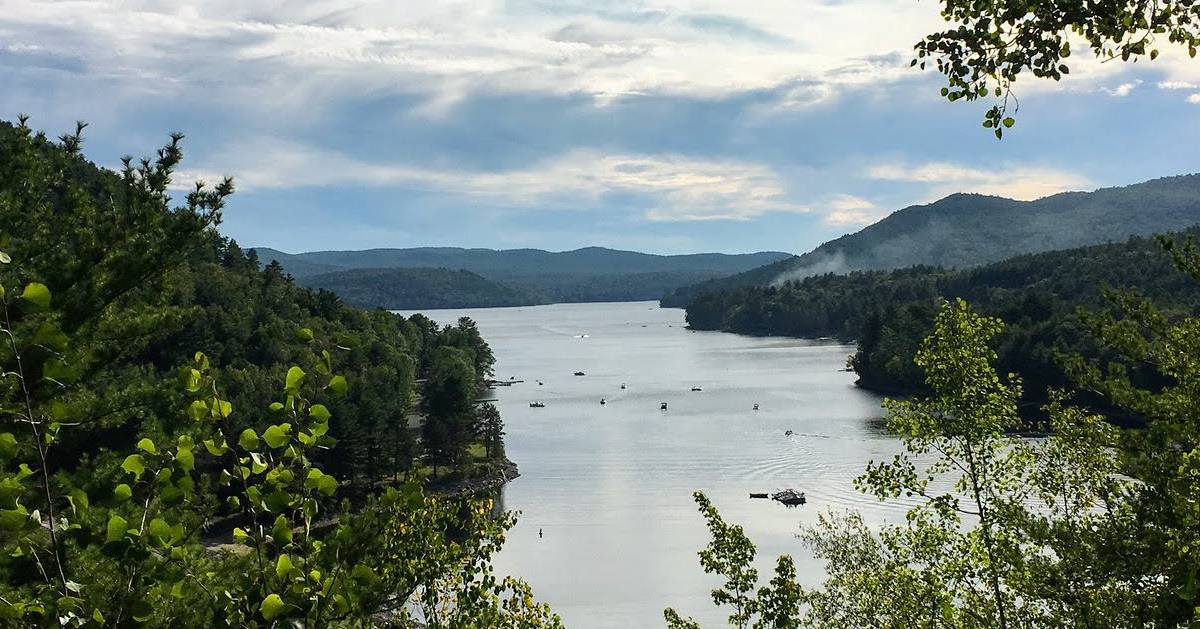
498	474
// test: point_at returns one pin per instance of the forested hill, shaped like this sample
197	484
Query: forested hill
589	274
964	230
419	288
889	312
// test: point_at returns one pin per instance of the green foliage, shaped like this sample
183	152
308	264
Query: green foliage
1092	526
125	454
730	555
989	45
889	312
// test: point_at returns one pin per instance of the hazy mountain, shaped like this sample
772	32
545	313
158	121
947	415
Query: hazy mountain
965	230
414	289
588	274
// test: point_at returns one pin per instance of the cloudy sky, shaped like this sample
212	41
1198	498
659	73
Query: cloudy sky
659	125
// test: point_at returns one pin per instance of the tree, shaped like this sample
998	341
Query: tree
449	401
489	426
120	449
991	43
1005	532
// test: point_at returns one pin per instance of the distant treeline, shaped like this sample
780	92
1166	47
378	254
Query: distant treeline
447	277
416	288
1039	296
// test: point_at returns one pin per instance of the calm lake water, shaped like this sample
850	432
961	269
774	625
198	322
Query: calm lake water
610	486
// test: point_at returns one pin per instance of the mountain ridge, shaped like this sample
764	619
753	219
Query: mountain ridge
970	229
540	276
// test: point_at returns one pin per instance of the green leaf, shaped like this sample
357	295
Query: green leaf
214	448
191	380
222	408
160	529
258	463
1009	122
186	460
117	526
122	492
146	445
283	566
8	444
337	385
198	410
282	531
134	464
272	606
248	439
37	294
79	501
319	413
277	436
5	258
314	478
295	376
304	334
327	485
276	407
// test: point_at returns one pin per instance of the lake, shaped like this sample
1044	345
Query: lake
610	486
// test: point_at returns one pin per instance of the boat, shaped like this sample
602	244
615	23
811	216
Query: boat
537	405
697	389
663	406
622	386
789	497
759	495
755	405
539	383
788	433
579	373
602	402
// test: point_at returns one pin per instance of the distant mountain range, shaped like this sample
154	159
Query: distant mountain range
447	277
964	230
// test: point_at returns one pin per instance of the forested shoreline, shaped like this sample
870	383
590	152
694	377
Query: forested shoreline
160	381
887	313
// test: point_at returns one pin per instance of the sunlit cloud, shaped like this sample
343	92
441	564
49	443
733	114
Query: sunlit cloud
1024	183
847	209
676	188
1122	90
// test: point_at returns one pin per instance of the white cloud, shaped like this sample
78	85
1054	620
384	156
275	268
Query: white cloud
1015	182
846	209
679	188
1194	98
697	48
1122	90
1176	85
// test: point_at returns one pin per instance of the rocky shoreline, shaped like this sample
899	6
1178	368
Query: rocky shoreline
497	474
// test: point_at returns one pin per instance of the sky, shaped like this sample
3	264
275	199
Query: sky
667	126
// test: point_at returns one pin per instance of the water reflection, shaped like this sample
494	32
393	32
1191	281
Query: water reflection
609	486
